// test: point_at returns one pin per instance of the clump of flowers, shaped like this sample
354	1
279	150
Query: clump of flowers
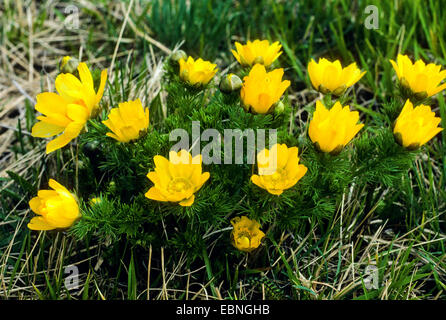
257	51
421	80
56	209
246	235
176	179
127	205
127	122
262	89
197	72
331	130
416	126
67	112
330	77
279	169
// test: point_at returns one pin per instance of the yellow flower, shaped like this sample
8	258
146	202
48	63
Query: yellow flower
261	89
197	72
246	235
330	77
423	80
279	169
68	111
416	126
127	121
332	129
257	52
56	208
176	179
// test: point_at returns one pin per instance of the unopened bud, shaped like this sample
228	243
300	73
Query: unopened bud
178	55
68	65
230	83
279	108
112	187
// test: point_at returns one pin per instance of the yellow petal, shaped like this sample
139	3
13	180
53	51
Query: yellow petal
50	103
35	204
101	88
44	130
38	223
187	202
85	75
155	194
257	181
71	132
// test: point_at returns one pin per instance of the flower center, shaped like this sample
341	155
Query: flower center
244	239
243	242
420	121
178	185
278	175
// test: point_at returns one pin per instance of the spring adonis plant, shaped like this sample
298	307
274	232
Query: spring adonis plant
127	122
246	235
331	77
56	209
262	89
279	169
257	51
416	126
420	80
197	72
177	179
135	190
331	130
67	112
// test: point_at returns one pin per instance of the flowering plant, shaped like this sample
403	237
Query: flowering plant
226	159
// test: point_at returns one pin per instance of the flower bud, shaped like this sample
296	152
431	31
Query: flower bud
177	55
279	107
230	83
68	65
112	187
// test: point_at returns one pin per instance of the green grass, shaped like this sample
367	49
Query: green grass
400	230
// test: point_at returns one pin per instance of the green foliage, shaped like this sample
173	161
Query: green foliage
380	160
